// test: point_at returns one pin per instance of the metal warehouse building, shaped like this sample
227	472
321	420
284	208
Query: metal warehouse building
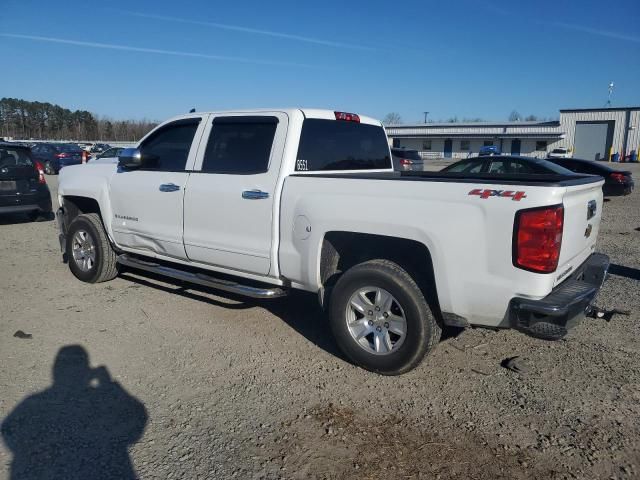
590	133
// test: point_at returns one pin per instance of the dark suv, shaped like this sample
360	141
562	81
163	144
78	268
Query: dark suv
55	156
23	188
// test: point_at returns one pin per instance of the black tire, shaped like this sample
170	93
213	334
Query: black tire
422	330
34	216
105	266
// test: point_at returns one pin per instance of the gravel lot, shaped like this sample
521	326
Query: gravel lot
196	385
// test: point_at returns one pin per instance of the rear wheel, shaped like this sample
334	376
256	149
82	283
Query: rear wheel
91	258
381	319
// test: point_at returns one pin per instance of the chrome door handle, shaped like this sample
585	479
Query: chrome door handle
254	194
169	187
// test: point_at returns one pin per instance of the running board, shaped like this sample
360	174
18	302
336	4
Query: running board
201	279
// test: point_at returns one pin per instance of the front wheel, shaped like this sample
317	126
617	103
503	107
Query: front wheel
91	258
380	318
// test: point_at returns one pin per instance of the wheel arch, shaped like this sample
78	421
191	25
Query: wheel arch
74	205
341	250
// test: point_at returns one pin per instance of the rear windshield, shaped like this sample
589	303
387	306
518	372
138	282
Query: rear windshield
14	157
341	145
546	165
585	166
408	154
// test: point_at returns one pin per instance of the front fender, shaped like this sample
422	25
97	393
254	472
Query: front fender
89	181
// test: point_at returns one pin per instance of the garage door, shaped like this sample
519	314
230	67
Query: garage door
593	140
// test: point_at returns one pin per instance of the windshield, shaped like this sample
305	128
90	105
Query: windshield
342	145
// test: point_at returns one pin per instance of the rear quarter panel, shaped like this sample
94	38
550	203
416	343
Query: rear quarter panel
469	238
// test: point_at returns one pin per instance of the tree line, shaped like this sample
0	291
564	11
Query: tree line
25	120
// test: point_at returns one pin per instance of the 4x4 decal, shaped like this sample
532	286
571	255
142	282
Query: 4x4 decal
484	193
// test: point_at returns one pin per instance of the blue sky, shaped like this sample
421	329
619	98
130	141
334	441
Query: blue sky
464	58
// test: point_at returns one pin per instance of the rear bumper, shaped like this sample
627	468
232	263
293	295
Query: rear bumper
19	209
618	189
23	203
564	307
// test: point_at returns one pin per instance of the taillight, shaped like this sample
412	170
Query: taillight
347	117
404	161
618	177
40	169
61	155
537	238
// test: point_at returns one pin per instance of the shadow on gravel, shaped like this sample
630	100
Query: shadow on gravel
622	271
79	428
299	310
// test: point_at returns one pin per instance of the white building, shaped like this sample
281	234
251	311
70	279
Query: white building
589	133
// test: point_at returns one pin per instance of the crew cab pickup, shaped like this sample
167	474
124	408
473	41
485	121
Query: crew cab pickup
262	202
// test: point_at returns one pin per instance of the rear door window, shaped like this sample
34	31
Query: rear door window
240	145
499	166
468	166
520	167
342	145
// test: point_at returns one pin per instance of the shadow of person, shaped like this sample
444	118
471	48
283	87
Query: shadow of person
79	428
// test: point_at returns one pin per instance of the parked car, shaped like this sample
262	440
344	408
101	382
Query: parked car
405	159
489	150
23	188
55	156
86	146
560	152
262	202
616	182
112	153
99	148
506	165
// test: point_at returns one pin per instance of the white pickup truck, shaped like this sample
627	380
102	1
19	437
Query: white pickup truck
262	202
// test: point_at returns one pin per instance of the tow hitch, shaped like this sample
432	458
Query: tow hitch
593	311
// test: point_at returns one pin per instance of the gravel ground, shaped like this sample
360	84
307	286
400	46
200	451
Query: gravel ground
182	383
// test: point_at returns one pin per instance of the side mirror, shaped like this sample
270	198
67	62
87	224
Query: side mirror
130	158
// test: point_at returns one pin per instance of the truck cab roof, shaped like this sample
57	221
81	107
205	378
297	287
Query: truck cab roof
307	112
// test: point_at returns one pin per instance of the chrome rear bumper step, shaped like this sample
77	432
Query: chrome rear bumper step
201	279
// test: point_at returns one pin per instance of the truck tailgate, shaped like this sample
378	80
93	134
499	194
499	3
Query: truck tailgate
582	215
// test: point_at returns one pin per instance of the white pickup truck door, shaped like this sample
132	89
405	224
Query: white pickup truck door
229	200
147	203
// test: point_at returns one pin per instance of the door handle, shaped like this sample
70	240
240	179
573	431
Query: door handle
254	194
169	187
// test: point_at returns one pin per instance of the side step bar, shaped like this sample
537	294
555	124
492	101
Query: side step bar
201	279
